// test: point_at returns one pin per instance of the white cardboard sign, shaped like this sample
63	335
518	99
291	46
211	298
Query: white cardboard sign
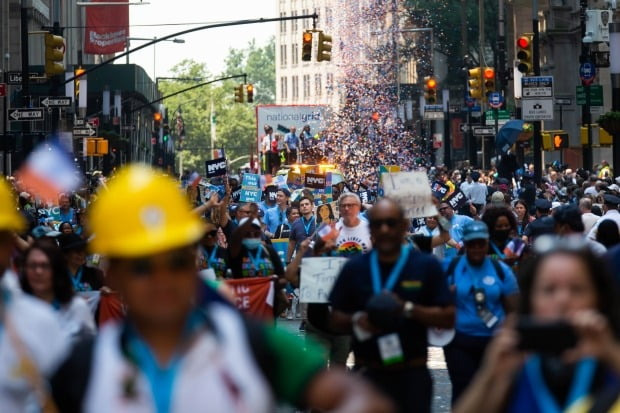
318	275
412	191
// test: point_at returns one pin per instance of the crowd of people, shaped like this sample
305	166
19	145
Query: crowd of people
122	295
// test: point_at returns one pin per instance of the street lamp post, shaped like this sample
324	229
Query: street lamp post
614	62
150	39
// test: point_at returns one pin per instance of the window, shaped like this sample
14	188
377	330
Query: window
294	54
317	85
294	25
283	23
295	87
306	21
330	83
306	86
283	55
283	87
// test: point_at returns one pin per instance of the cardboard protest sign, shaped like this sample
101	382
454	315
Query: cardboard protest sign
254	296
364	197
457	199
250	190
325	214
318	275
412	191
315	181
271	192
216	167
439	190
324	195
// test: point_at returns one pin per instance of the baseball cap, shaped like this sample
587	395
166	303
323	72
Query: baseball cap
543	204
475	230
611	199
255	221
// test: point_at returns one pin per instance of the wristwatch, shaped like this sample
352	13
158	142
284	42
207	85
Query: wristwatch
408	309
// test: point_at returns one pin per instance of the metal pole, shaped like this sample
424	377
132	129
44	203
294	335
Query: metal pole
25	74
614	57
536	124
586	116
501	47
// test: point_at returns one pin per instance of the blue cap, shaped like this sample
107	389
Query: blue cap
475	230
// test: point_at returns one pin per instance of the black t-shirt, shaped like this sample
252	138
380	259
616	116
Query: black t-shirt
423	242
422	281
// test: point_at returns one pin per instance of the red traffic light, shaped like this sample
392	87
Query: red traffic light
489	73
431	83
157	116
307	37
523	42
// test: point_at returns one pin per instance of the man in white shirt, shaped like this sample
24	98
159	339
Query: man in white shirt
354	237
477	192
265	148
610	207
587	217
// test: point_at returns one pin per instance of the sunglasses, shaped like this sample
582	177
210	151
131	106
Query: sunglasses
211	233
390	222
173	262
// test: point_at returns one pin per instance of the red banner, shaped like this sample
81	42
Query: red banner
110	308
254	296
107	28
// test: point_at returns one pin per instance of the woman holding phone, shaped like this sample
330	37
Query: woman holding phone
561	352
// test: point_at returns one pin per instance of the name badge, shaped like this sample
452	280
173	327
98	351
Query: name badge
208	274
390	349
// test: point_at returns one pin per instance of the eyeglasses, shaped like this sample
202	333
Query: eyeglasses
345	206
390	222
546	244
33	266
174	262
211	233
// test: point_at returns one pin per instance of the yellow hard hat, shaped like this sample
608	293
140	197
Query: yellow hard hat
10	219
142	213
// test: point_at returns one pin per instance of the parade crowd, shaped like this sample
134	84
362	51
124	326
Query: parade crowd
136	292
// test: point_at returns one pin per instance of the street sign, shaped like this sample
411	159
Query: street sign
563	101
454	108
433	112
84	131
470	102
587	71
496	100
503	116
484	130
2	89
15	78
55	101
25	114
93	121
537	86
79	122
537	109
596	95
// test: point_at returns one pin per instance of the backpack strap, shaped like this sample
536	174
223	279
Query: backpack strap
498	269
451	268
70	382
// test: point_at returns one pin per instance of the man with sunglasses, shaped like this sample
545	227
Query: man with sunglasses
170	355
387	299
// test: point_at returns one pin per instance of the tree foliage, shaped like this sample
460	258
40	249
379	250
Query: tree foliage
235	122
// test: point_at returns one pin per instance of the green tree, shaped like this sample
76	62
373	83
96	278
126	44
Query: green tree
235	123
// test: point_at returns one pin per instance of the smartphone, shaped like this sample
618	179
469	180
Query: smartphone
547	337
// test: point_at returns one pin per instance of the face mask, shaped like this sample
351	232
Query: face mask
502	235
251	243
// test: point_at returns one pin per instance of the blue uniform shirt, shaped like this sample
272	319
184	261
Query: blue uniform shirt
274	217
456	233
466	278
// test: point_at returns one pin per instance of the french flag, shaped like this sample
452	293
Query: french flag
194	179
48	172
218	153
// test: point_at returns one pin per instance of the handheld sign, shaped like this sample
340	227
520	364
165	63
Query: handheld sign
412	191
216	167
439	190
318	275
315	181
250	190
457	199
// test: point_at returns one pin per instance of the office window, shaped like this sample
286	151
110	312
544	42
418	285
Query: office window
283	23
317	85
294	54
294	23
283	60
283	87
330	83
306	86
295	87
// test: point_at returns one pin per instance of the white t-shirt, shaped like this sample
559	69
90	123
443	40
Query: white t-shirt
76	317
353	240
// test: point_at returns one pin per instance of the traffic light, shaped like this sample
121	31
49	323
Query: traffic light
76	82
430	90
54	55
239	94
306	46
474	83
166	134
324	51
560	140
156	121
249	89
525	54
489	80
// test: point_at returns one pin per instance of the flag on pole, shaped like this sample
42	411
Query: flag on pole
194	178
328	232
48	172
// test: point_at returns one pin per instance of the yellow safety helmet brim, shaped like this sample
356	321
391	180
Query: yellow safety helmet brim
10	218
142	213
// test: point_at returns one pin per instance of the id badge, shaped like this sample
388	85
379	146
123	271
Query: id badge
390	349
208	274
488	318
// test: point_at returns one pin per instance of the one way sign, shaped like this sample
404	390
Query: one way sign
25	114
55	101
